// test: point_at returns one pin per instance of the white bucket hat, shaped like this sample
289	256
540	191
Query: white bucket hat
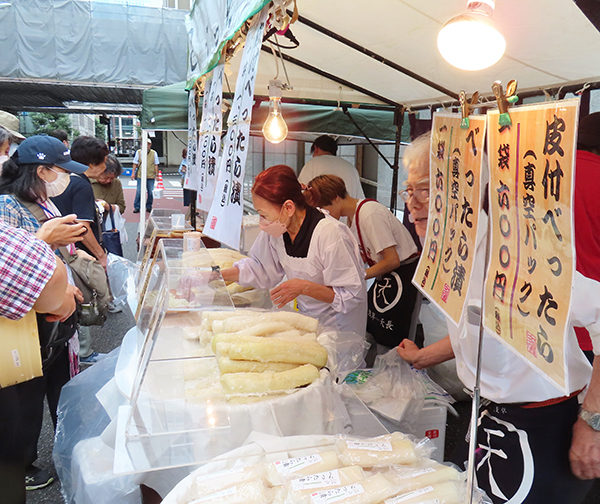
11	123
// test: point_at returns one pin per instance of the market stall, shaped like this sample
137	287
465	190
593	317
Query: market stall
177	407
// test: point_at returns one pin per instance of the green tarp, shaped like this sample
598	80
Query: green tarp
165	109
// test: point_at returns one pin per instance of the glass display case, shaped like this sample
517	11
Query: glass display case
178	413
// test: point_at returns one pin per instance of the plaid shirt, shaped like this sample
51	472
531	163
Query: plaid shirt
16	215
26	266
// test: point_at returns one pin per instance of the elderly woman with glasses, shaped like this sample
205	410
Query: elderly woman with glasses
546	451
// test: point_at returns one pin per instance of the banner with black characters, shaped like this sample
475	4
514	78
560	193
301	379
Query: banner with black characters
446	263
528	287
209	142
224	220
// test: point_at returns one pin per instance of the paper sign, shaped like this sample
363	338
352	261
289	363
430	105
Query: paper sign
190	179
445	266
209	143
531	266
224	221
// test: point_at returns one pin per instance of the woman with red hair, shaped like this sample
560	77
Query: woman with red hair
316	253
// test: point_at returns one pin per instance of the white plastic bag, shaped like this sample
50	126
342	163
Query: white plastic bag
394	390
119	224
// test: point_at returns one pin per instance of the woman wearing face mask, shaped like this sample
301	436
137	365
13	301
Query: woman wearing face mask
316	253
40	169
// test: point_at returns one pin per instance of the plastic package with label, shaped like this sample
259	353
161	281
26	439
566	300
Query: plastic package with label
280	471
444	492
395	448
296	491
429	472
371	490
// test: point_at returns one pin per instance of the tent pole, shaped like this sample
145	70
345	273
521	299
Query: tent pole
349	116
398	121
144	165
193	198
332	77
375	56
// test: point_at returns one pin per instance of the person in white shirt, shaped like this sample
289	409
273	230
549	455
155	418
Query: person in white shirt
533	446
325	162
388	249
316	253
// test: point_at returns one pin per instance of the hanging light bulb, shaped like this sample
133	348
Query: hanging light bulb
275	129
470	41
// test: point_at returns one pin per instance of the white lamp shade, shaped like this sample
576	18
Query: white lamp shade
471	42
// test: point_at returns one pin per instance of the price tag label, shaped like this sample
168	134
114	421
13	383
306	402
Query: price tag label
409	495
337	494
285	467
370	445
320	480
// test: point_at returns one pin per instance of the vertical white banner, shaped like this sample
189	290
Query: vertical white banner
190	181
209	143
224	220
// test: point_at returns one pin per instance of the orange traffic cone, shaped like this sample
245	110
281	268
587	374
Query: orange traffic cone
159	181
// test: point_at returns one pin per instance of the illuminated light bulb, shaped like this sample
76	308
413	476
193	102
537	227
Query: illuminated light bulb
275	129
470	41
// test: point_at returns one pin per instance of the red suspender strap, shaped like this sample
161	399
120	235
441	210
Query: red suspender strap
370	261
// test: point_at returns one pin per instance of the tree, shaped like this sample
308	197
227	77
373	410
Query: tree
45	122
100	130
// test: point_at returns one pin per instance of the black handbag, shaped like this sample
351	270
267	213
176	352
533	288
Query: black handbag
112	239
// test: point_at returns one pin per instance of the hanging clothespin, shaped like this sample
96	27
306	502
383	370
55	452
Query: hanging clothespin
466	107
505	101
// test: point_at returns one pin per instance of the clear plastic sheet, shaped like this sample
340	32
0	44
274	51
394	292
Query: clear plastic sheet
81	420
122	274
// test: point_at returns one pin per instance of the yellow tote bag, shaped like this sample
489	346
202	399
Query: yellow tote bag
20	357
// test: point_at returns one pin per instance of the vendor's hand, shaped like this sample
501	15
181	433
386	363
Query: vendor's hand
585	451
133	175
67	308
288	291
408	350
61	231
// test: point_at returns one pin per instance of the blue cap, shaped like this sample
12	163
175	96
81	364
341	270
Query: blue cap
47	150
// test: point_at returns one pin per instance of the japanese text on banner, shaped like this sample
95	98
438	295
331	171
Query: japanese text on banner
224	220
209	142
192	144
444	270
528	287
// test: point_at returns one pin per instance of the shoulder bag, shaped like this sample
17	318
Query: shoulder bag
89	277
111	237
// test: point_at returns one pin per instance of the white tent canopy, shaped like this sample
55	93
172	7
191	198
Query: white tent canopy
550	44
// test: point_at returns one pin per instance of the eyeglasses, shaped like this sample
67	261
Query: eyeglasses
421	195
